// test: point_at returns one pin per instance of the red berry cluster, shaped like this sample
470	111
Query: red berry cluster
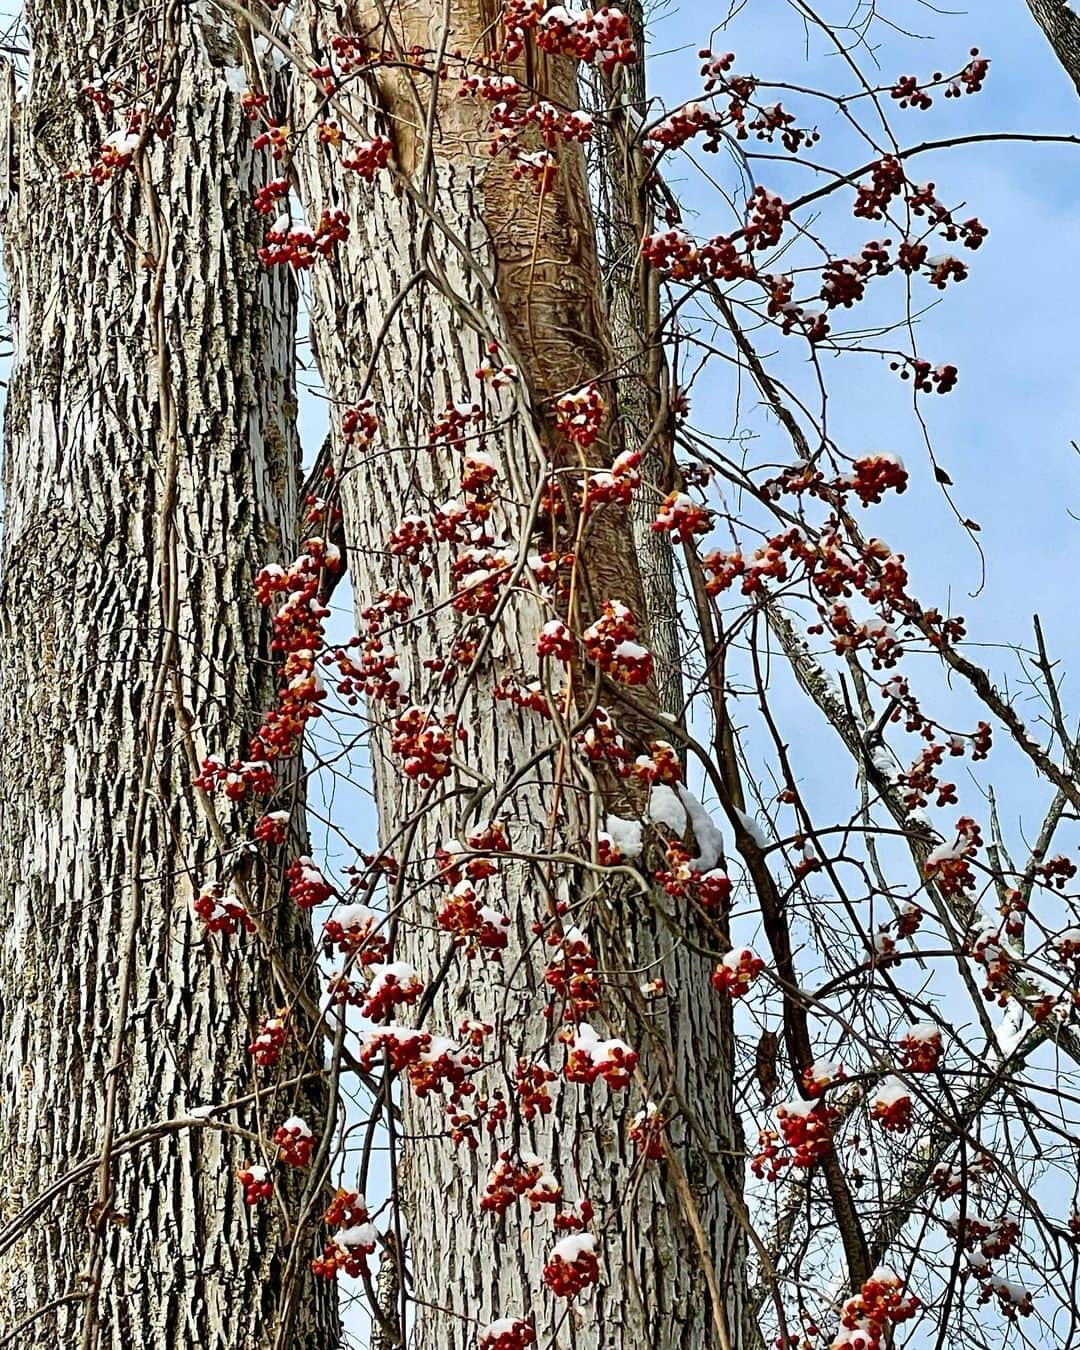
806	1128
424	744
355	931
532	1079
508	1333
307	885
591	1058
600	37
580	415
572	1266
295	1142
573	976
737	972
920	1048
473	926
869	1316
270	1040
610	643
354	1241
256	1183
508	1182
299	247
647	1130
273	828
367	158
680	515
222	913
393	984
891	1107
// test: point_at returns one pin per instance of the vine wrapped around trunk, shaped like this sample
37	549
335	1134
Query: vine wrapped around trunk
461	254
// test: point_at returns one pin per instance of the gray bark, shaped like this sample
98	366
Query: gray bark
150	468
464	1267
632	290
1061	24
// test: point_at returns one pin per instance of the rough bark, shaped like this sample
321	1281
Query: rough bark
150	468
1061	24
632	290
537	289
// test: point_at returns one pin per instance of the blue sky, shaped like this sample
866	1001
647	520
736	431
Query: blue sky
1012	328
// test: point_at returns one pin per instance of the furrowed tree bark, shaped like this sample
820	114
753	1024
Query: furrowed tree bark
632	288
150	468
1060	21
415	293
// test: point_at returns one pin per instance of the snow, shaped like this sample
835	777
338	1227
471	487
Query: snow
299	1125
1015	1293
753	829
570	1248
710	841
796	1107
354	916
883	761
494	1331
625	835
600	1052
922	1031
891	1092
946	852
651	1110
400	971
1010	1031
665	808
439	1047
124	143
359	1235
236	79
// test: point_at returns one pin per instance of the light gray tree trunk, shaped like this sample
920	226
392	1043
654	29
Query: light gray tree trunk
1060	22
150	468
633	293
402	277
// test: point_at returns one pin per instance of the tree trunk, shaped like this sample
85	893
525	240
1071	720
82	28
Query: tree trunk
1061	24
433	287
633	292
150	469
